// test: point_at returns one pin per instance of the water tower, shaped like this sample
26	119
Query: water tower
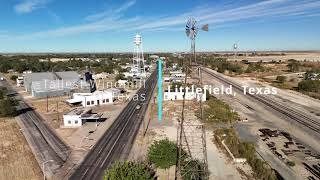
138	67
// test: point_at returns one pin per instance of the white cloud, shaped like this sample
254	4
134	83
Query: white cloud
109	12
28	6
114	20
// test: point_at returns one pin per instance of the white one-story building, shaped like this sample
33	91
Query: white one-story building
122	83
20	80
77	117
102	75
173	79
96	98
178	95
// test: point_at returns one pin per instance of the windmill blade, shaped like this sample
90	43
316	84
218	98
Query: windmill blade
188	32
188	24
194	22
205	27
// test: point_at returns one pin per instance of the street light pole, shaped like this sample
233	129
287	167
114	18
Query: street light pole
43	170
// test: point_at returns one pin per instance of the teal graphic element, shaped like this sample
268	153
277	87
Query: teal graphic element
159	90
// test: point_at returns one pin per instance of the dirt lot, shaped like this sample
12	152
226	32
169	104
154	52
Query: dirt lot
16	159
220	166
40	105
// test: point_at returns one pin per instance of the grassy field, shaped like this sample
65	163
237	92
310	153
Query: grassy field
16	159
216	111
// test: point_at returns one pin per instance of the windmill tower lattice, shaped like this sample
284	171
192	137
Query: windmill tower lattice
191	137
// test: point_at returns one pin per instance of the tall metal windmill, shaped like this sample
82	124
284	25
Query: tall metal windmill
191	32
191	140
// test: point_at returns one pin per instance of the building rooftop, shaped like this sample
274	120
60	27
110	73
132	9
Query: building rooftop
68	75
84	113
51	76
79	111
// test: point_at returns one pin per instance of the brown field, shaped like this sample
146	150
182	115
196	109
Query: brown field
51	116
16	159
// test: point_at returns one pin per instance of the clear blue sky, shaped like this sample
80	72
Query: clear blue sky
109	25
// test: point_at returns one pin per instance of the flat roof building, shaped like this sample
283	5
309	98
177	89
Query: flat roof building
96	98
77	117
50	84
178	95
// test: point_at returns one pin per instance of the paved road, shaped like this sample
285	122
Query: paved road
117	141
42	139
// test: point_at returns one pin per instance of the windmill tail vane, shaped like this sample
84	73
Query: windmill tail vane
205	27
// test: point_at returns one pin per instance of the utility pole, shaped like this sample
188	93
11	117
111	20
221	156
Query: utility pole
58	111
47	104
201	105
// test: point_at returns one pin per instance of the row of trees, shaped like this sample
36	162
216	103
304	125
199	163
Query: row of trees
222	65
35	65
296	66
309	86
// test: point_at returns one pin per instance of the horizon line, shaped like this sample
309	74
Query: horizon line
149	52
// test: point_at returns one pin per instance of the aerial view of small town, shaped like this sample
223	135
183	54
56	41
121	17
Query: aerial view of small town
134	90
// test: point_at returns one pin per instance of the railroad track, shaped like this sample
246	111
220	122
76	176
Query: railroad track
44	142
39	146
293	114
61	149
117	141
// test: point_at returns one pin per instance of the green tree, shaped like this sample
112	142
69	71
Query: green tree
163	154
281	79
7	108
255	67
309	85
7	105
129	171
3	91
120	76
13	77
293	65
